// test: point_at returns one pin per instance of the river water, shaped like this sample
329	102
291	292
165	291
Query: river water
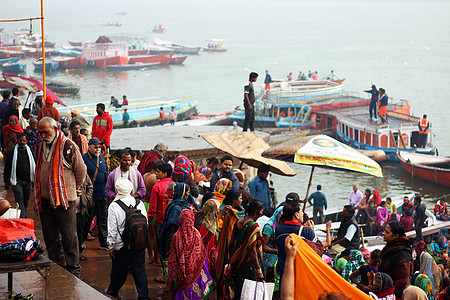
402	46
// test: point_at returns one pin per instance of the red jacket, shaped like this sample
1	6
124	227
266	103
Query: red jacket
146	164
157	199
102	128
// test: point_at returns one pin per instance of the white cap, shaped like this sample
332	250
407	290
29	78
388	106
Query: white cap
39	93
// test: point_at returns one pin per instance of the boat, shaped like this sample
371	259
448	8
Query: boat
63	88
49	66
135	66
434	169
9	60
178	60
68	52
108	61
13	67
135	52
177	47
162	59
143	112
215	45
156	50
71	62
293	89
103	52
158	29
76	43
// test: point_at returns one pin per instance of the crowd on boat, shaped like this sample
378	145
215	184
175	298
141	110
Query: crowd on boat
208	228
310	76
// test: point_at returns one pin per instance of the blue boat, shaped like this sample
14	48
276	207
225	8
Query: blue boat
49	66
143	112
13	68
9	60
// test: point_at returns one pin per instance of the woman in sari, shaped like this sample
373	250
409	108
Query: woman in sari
221	188
188	274
233	201
429	267
382	286
246	248
424	282
172	223
371	221
270	252
182	172
10	132
209	231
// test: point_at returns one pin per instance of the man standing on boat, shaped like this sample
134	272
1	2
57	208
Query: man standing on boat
355	197
102	126
419	217
267	82
383	105
249	102
320	201
373	102
424	125
441	211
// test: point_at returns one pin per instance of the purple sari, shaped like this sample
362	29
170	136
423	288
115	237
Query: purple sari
200	289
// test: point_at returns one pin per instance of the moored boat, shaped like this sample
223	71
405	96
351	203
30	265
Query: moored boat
49	66
434	169
13	67
63	88
177	60
143	112
135	66
162	59
108	61
71	62
294	89
9	60
134	52
76	43
177	47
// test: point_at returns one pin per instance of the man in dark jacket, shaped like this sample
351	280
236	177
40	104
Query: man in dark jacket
37	104
373	102
12	110
320	202
419	217
348	235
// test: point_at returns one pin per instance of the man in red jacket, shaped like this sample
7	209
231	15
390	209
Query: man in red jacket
102	126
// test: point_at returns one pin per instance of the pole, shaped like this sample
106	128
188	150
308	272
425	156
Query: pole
43	50
307	190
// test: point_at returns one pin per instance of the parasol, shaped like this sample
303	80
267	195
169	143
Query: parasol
248	147
31	85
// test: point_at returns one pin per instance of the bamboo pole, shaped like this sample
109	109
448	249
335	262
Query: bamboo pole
307	190
43	51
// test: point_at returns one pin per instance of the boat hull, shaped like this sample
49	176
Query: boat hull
163	59
10	60
13	68
109	61
137	66
73	63
49	66
177	60
432	174
214	49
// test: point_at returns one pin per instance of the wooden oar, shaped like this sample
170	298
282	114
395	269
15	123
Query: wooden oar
307	190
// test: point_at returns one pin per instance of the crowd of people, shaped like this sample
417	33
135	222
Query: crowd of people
207	228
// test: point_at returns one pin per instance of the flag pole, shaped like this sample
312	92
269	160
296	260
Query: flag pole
43	50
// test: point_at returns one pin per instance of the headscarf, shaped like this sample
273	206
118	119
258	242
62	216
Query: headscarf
123	187
340	263
420	247
187	253
382	284
429	267
424	282
273	221
180	190
209	219
15	128
376	197
414	293
197	175
49	100
182	165
221	186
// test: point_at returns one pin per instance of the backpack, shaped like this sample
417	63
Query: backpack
135	233
21	250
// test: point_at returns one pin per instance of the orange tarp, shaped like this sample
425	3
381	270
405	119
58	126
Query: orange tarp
314	277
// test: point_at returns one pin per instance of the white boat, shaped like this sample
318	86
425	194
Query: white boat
177	47
215	45
285	90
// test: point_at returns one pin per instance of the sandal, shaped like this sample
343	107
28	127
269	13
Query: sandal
82	257
159	280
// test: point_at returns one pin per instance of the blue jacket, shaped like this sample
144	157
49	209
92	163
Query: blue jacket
374	94
260	190
102	174
268	79
319	200
384	100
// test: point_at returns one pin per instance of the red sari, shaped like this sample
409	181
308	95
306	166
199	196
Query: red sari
10	135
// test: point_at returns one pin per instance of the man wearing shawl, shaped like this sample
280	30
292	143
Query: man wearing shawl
19	173
157	153
60	172
188	274
128	171
124	259
9	133
48	110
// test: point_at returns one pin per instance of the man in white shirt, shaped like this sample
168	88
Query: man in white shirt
124	259
348	235
355	197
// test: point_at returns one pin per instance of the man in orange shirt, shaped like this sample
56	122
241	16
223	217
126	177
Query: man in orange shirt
161	116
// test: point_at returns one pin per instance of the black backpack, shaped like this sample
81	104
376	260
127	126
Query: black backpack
135	233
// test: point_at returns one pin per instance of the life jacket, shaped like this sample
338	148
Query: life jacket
423	126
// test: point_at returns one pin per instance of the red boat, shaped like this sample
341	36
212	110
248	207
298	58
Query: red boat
75	43
71	62
109	61
138	52
427	167
178	60
159	30
163	59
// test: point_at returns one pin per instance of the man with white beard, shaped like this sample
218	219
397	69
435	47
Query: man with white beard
97	170
60	172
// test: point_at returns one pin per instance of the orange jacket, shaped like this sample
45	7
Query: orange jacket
424	125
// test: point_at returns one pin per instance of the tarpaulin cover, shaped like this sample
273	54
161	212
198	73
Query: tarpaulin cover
314	277
14	229
323	150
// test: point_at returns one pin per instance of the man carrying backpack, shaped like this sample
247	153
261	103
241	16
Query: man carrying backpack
127	239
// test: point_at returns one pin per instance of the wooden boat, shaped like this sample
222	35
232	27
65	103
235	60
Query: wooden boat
108	61
144	111
177	47
63	88
71	62
75	43
434	169
9	60
49	66
285	90
157	50
135	52
135	66
13	67
215	45
177	60
162	59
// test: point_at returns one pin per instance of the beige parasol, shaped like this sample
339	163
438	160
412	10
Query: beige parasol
248	147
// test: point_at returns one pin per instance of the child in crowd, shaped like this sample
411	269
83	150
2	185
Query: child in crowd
366	270
382	216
